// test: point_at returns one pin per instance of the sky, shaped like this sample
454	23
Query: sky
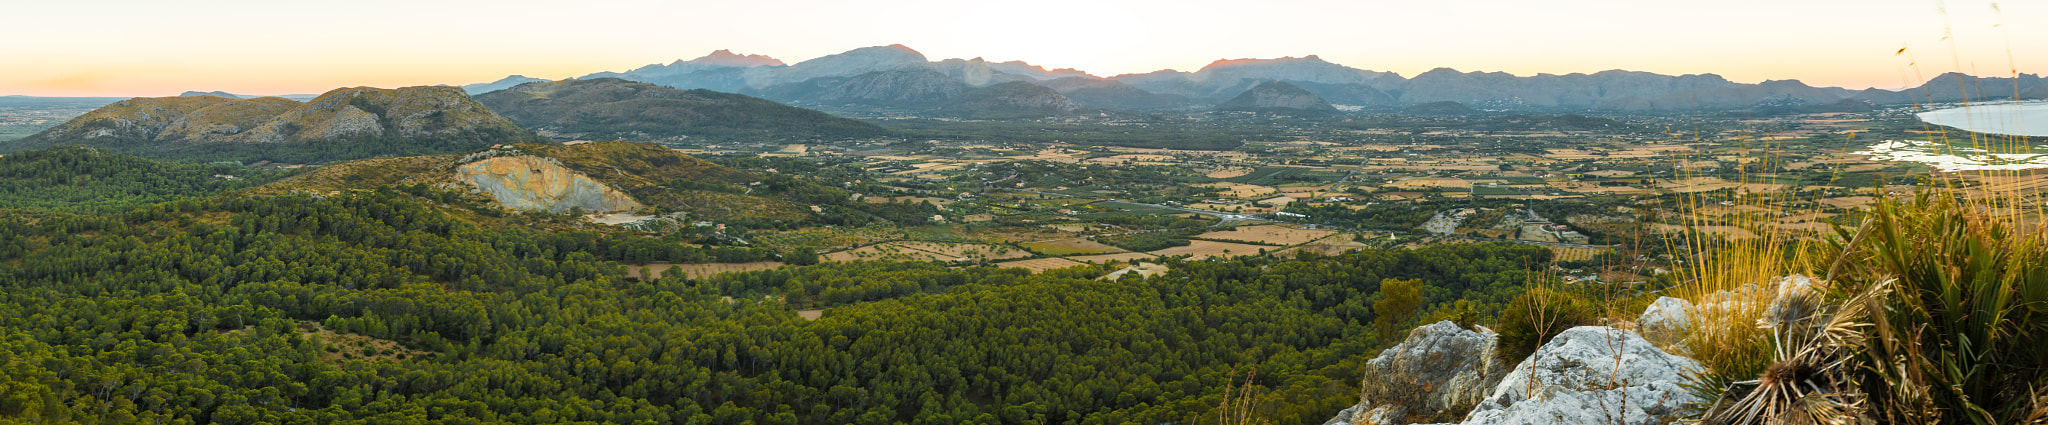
268	47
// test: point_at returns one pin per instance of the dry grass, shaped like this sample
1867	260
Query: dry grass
1576	254
1230	172
811	314
1332	245
697	271
928	251
352	347
1243	191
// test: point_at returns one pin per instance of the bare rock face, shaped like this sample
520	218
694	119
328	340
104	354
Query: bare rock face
535	183
349	121
1441	371
1666	320
222	122
1591	374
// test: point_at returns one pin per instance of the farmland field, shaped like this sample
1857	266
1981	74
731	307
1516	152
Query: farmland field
1268	235
1204	249
1064	247
927	251
1575	254
1333	245
1040	264
1127	256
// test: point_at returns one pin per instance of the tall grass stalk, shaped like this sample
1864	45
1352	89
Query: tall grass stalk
1730	275
1241	403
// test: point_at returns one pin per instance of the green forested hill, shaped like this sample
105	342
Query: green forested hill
81	179
274	310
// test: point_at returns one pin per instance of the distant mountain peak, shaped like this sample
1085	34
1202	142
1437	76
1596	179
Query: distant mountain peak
212	93
1037	72
501	84
1227	63
724	57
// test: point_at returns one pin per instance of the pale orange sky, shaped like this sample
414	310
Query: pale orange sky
159	48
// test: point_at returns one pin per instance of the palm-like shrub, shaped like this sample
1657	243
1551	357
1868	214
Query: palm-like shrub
1537	315
1961	337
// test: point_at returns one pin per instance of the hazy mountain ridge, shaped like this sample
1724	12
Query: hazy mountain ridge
1224	79
1112	94
191	93
901	88
1959	87
610	108
1016	99
501	84
1228	77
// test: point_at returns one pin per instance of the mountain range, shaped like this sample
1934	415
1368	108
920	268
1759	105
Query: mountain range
896	76
615	109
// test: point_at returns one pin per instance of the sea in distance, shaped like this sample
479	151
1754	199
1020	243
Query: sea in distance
1991	118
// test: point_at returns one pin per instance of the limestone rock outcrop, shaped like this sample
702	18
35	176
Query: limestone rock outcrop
535	183
1591	374
1441	371
1587	374
1665	321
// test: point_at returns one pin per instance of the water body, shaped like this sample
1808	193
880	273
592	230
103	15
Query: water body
1950	158
2016	119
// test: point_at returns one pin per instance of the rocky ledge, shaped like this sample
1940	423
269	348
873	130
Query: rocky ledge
1587	374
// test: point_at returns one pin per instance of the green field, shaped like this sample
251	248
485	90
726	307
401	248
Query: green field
1265	176
1494	191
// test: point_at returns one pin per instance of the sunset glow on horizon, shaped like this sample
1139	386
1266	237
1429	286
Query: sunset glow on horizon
133	48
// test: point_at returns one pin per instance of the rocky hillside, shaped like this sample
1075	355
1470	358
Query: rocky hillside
1589	374
615	109
1277	96
527	182
1010	100
1112	94
916	88
1958	87
721	70
341	124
